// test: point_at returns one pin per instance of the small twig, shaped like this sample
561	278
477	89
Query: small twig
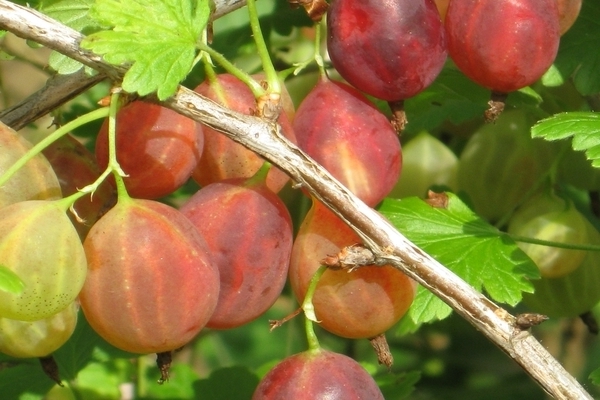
61	88
58	90
276	323
352	257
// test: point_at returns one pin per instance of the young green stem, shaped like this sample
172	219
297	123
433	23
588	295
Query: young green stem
260	177
39	147
263	52
309	310
213	81
318	57
68	202
254	86
113	164
569	246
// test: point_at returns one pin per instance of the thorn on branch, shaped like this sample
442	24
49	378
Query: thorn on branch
527	320
351	258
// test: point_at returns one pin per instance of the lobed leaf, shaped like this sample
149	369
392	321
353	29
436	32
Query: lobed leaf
158	38
398	386
74	14
473	249
452	96
583	127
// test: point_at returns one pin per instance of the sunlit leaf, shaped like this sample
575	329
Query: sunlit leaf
157	38
74	14
583	127
473	249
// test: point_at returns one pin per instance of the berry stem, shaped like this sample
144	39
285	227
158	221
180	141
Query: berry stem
260	177
57	134
568	246
263	52
309	310
211	77
112	167
113	164
318	57
255	87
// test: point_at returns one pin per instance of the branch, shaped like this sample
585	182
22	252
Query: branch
58	90
61	88
382	238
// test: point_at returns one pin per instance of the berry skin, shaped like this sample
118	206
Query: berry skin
503	45
391	50
339	128
317	374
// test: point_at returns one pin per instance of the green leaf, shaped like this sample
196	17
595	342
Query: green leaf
10	282
578	55
180	385
584	127
26	3
74	14
595	376
63	64
476	251
398	386
451	97
102	380
23	379
552	77
83	347
158	38
218	386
